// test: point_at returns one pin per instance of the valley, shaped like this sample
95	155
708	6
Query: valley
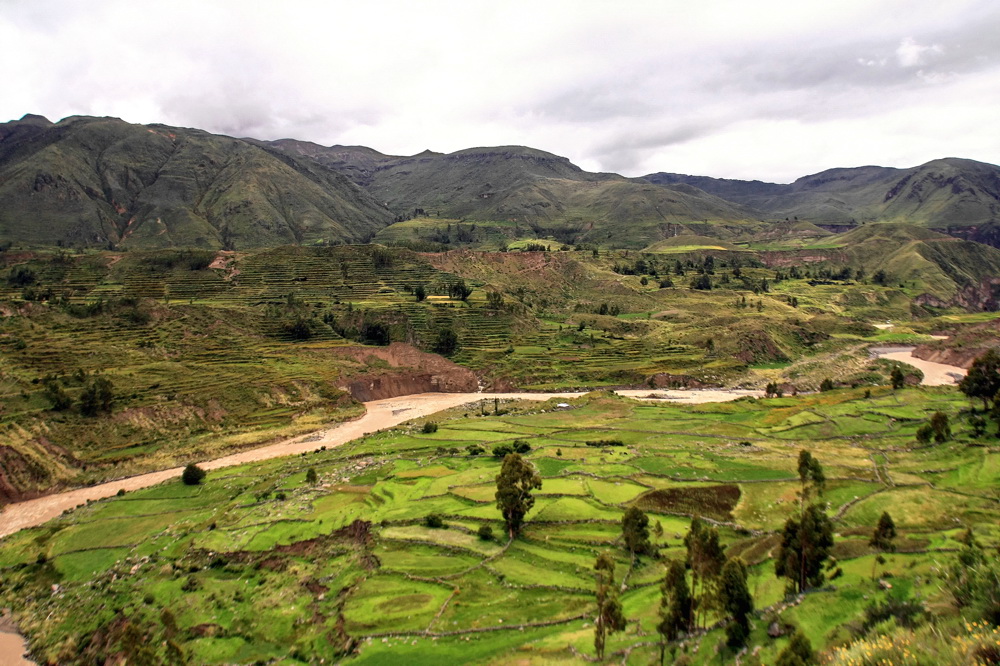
711	396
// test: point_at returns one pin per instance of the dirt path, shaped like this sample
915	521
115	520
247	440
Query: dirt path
935	374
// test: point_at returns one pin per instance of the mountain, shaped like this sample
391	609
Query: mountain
957	195
526	186
104	182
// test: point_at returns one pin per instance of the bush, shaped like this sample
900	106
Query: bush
601	443
311	476
826	385
517	446
429	428
475	450
434	521
193	475
485	533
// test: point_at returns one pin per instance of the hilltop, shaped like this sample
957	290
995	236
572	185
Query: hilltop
959	196
102	182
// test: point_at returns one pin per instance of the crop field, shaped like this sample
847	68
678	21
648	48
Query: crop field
212	352
257	564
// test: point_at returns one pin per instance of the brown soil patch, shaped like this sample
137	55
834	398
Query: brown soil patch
716	502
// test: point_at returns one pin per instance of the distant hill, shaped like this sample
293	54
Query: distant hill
104	182
955	195
531	187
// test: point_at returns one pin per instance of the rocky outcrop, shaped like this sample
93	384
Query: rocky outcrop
405	370
983	296
961	358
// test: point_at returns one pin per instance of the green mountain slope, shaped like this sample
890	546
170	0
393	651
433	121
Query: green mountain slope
942	194
544	192
101	181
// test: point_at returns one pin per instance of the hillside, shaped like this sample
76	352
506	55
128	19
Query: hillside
101	182
391	548
958	195
544	193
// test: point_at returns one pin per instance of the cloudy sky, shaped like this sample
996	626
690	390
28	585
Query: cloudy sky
765	89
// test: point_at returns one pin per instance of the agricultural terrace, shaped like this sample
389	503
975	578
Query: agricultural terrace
259	564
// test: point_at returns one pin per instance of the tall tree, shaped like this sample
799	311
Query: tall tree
811	475
609	610
805	545
516	480
705	558
983	379
635	531
675	605
897	378
882	538
736	601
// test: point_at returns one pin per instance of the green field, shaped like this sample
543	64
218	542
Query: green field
351	571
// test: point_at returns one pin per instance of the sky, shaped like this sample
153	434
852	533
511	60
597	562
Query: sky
769	90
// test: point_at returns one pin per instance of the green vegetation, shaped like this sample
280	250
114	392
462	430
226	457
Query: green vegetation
254	564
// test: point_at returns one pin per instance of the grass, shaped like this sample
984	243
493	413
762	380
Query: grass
248	576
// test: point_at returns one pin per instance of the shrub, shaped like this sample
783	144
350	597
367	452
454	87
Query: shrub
601	443
311	476
193	475
429	428
485	533
434	521
826	385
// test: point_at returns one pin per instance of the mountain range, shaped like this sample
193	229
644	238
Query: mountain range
103	182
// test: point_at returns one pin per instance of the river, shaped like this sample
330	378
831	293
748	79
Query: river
935	374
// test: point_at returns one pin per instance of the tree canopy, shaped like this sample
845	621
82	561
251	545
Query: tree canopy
805	545
983	379
516	480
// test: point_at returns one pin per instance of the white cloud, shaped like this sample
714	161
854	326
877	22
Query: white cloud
646	85
911	54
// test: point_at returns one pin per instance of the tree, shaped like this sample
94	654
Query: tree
447	342
942	429
736	601
635	531
57	395
311	476
983	379
97	397
897	378
882	538
516	480
826	385
494	300
192	475
798	652
805	545
705	558
810	474
609	610
675	605
420	292
460	290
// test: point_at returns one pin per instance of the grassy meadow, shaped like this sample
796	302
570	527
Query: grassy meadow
259	565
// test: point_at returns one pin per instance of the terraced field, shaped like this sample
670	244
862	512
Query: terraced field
260	565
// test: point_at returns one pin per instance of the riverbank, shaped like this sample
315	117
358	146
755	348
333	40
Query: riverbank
935	374
12	644
379	414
